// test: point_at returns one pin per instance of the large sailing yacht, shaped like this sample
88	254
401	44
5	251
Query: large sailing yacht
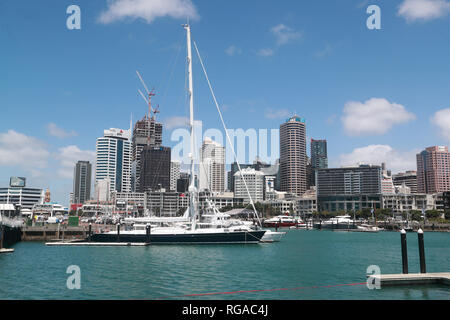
185	229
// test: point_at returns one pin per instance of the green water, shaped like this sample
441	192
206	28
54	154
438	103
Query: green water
305	264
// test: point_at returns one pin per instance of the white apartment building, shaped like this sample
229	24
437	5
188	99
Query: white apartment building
113	159
255	183
212	166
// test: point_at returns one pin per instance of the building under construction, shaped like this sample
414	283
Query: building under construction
146	132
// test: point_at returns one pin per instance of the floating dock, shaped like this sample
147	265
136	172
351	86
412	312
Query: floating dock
4	250
97	244
442	278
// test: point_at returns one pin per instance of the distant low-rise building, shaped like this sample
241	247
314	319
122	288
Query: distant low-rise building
21	196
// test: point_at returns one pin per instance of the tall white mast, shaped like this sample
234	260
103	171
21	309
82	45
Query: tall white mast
192	189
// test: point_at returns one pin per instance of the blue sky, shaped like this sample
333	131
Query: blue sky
375	95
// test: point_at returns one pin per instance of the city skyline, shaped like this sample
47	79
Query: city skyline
68	106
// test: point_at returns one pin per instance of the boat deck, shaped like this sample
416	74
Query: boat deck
97	244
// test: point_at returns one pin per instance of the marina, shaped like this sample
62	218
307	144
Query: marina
307	264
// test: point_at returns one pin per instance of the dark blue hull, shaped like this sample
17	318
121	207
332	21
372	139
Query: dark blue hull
198	238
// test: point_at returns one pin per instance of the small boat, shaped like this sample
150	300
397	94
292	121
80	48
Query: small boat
339	222
281	221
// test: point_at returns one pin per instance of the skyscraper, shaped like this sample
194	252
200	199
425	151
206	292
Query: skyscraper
155	168
319	157
433	170
293	156
113	159
146	132
82	181
212	166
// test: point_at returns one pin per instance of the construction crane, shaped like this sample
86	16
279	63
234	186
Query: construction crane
150	95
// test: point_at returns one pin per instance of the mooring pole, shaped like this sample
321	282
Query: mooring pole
90	231
118	232
404	251
423	268
1	236
147	229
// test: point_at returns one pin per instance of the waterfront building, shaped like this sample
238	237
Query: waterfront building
113	159
82	182
285	206
409	178
167	203
433	170
446	200
293	158
255	184
20	196
174	174
146	132
130	203
155	168
400	202
220	200
307	203
212	166
349	188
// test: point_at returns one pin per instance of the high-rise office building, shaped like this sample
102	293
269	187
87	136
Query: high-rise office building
433	170
318	160
319	156
146	132
82	181
293	159
212	166
113	159
155	169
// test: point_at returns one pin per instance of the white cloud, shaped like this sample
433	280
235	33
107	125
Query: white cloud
55	131
149	10
18	149
284	34
442	120
375	116
266	52
395	160
277	114
233	50
69	156
176	122
414	10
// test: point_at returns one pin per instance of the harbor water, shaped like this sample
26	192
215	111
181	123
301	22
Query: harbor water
306	264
